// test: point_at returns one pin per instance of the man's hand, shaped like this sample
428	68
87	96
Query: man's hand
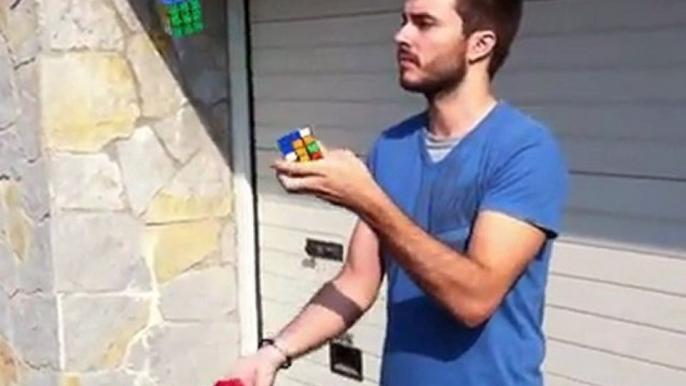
260	368
339	178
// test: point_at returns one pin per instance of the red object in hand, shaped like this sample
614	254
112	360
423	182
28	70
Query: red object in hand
230	382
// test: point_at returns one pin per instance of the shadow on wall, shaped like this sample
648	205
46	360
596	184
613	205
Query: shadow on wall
198	62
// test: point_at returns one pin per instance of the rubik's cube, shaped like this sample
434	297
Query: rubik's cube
184	16
300	145
230	382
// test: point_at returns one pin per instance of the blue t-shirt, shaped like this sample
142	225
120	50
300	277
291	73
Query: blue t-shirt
508	163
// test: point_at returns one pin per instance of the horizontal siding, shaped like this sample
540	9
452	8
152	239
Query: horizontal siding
613	93
540	17
610	211
595	367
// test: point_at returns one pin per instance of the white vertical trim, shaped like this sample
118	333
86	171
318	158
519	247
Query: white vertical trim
242	172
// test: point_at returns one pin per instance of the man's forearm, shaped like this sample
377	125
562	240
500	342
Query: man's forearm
452	278
330	312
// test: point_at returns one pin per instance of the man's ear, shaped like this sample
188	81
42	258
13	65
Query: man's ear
480	45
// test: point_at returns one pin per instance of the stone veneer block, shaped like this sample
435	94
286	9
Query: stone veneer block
202	189
101	104
35	274
98	329
98	252
8	98
8	274
34	320
202	295
145	166
86	181
81	24
17	225
175	248
181	133
22	24
197	354
160	92
107	378
135	14
10	366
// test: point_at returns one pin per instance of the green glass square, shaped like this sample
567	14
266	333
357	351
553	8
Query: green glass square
195	4
313	147
187	19
196	15
188	30
185	7
177	32
175	21
172	10
198	25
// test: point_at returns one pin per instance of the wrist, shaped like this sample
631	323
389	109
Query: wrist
275	353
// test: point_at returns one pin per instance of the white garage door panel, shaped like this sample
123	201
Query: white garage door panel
630	340
662	160
651	200
323	113
357	59
583	87
624	232
558	380
305	217
563	17
602	368
541	17
616	337
367	30
312	373
618	302
292	240
639	270
634	50
268	10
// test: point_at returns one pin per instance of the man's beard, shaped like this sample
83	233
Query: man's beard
441	79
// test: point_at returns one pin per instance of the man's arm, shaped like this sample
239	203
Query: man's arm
340	302
470	286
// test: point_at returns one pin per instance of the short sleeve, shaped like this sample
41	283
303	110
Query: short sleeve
530	184
370	159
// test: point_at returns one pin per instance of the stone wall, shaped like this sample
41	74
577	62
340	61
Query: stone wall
29	343
117	237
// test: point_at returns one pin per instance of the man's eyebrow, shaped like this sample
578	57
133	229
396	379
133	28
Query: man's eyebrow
424	16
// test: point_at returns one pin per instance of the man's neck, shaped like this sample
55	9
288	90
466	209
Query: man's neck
456	113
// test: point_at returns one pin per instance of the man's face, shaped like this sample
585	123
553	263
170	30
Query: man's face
431	49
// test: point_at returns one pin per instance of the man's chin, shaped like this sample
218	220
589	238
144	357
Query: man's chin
414	87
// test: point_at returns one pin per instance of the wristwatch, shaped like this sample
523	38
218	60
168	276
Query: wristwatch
270	342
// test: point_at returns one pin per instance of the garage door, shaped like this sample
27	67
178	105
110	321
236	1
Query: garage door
608	76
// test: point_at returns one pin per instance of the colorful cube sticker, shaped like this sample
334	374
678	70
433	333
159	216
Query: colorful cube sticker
184	16
300	145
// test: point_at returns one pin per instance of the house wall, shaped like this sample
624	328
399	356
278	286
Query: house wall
28	304
604	75
117	242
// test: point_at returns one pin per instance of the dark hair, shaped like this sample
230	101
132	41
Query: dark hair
502	16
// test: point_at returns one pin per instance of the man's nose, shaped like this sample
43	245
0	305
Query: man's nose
402	35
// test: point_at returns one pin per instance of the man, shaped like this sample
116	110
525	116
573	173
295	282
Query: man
458	207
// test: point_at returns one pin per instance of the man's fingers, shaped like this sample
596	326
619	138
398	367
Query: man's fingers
300	169
298	184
